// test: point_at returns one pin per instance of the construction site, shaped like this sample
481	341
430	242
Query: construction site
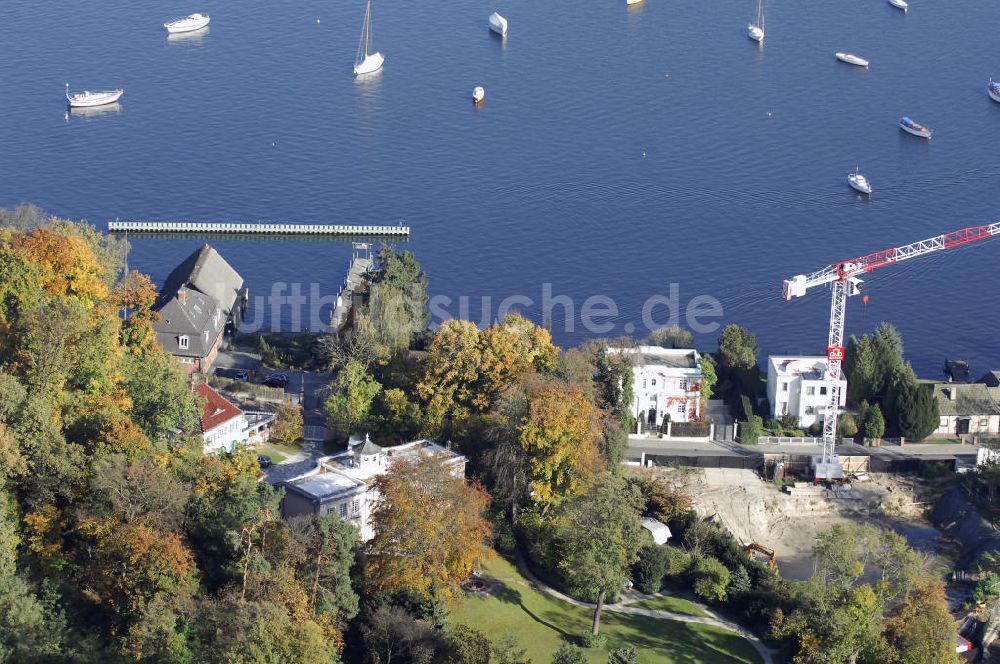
786	519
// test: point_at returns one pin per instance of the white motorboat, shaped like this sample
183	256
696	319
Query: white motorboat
87	98
478	94
498	24
993	90
900	4
859	182
365	62
915	128
755	30
852	59
189	23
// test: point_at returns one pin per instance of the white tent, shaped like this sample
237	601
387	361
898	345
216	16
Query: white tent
658	529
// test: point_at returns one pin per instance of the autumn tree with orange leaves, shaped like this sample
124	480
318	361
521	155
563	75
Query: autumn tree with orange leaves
430	532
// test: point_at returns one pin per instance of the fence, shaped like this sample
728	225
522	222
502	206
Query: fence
788	440
705	461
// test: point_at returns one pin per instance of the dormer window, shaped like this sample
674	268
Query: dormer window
182	341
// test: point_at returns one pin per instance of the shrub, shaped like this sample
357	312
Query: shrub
677	561
710	577
627	655
468	645
569	654
847	426
649	570
590	640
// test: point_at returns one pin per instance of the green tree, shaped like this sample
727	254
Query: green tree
626	655
738	347
916	411
650	569
615	388
711	578
328	546
402	273
599	532
467	645
847	426
161	399
350	404
567	653
873	424
709	379
671	336
507	650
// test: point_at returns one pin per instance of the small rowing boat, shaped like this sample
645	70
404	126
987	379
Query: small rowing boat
900	4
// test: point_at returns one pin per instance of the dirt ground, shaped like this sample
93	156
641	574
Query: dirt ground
757	511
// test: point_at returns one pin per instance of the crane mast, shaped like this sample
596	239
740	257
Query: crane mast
844	278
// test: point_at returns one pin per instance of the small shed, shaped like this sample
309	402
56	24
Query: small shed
659	530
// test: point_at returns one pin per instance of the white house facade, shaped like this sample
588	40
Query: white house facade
666	384
797	385
344	483
967	409
223	424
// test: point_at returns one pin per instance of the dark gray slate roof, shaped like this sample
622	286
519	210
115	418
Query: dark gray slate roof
369	448
971	399
198	317
207	272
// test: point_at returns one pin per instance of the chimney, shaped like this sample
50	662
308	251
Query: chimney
952	393
181	295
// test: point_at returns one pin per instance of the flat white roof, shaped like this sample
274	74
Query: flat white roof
325	484
810	367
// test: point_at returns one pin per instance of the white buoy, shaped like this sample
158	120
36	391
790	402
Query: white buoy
317	20
478	94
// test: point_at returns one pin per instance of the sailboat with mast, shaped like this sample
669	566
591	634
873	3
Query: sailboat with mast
366	62
755	30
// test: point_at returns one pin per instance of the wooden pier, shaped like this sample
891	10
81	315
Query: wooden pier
229	228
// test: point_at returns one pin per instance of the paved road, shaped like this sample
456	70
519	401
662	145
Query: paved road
623	607
670	447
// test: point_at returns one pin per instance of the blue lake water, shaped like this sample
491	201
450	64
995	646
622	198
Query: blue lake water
618	151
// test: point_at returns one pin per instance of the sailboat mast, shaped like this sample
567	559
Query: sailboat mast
368	25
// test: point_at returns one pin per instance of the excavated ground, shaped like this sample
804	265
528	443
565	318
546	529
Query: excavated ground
757	511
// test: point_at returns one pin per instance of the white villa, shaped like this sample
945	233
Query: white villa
343	483
666	383
797	385
224	426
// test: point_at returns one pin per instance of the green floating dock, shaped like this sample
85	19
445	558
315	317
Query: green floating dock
255	228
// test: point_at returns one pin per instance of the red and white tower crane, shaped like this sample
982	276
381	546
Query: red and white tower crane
844	278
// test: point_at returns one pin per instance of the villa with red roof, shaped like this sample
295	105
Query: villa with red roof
223	425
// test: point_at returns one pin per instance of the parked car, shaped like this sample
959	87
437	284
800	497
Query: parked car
277	379
264	461
235	374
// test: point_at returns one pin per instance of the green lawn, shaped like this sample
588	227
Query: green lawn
541	622
671	603
278	453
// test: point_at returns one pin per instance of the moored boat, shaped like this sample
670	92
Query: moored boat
87	98
189	23
900	4
993	90
852	59
632	2
859	182
915	128
498	24
478	94
365	62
